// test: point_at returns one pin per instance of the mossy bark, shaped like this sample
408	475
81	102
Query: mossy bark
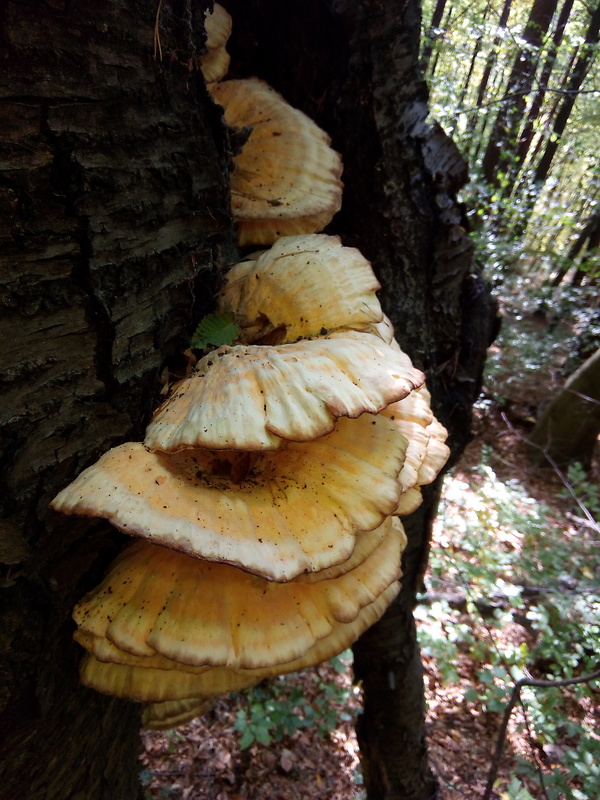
114	224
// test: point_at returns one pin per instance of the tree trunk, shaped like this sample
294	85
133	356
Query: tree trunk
528	132
483	25
485	79
436	19
399	209
588	241
501	148
550	114
569	425
575	75
112	199
115	210
576	78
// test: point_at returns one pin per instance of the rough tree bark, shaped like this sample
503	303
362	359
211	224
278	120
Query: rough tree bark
112	200
114	209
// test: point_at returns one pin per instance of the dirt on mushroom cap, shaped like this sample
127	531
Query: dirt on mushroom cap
304	285
276	514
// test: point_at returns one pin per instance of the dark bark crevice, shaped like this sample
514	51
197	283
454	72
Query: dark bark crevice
399	208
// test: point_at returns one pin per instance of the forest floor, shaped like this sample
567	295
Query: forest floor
203	760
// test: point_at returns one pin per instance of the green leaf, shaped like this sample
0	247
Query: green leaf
246	739
494	705
215	330
262	734
145	776
486	676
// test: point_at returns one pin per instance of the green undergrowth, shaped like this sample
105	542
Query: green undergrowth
515	593
279	707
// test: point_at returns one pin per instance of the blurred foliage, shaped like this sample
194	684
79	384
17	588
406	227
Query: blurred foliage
546	334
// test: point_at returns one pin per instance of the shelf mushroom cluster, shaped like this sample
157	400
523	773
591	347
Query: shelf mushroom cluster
286	178
266	492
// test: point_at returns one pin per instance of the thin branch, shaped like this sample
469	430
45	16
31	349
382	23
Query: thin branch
534	755
514	698
157	44
583	396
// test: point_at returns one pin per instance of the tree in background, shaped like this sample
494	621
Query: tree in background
568	426
115	230
502	145
531	131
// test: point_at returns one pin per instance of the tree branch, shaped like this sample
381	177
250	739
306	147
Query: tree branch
514	698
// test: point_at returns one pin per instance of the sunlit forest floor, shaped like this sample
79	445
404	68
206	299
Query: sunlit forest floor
499	642
204	759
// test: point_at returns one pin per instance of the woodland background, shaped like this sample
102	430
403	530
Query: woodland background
113	202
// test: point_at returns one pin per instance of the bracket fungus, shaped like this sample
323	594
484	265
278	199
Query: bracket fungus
255	397
170	713
286	178
426	452
268	488
274	513
303	286
197	614
215	61
154	684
